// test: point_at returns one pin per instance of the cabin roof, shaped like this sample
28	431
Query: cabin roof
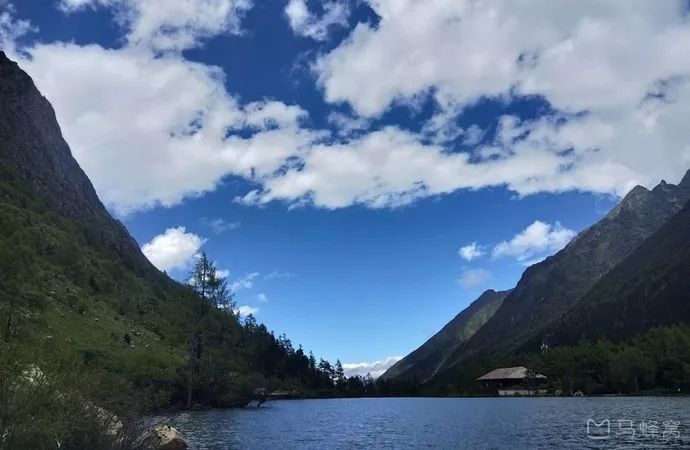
508	373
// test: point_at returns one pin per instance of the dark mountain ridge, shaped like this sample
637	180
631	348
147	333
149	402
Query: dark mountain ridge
549	289
32	147
552	287
423	363
650	288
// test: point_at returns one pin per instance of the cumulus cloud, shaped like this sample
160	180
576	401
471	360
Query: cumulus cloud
246	310
244	282
618	62
11	28
174	249
169	144
347	125
471	278
471	251
537	239
615	74
173	24
392	167
306	23
375	368
220	225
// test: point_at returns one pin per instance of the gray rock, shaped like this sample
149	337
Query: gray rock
163	437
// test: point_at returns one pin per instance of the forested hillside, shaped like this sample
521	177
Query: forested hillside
554	286
650	288
79	299
630	332
424	362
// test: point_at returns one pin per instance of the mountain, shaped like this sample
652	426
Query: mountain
73	255
423	363
77	294
550	288
34	151
650	288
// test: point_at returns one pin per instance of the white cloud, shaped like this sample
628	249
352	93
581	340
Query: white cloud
172	24
176	143
262	297
471	251
245	282
347	125
375	368
471	278
222	273
537	239
174	249
601	57
306	23
11	28
392	167
246	310
613	60
276	274
442	127
219	225
473	135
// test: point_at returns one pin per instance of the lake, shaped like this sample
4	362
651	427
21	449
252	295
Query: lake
621	422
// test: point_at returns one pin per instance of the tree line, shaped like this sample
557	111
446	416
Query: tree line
220	339
657	361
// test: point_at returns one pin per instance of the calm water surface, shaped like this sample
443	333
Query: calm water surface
444	423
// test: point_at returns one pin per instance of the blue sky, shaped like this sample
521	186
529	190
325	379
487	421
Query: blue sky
337	157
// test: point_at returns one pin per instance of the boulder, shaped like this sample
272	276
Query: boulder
164	437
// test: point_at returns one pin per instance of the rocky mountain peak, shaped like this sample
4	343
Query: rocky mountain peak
685	182
32	148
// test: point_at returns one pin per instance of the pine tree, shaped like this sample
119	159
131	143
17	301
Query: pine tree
213	290
339	375
205	281
312	362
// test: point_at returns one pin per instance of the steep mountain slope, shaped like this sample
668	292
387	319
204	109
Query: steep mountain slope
549	289
33	147
649	288
77	264
74	285
423	363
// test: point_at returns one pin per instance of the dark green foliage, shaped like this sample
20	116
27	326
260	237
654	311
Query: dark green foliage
650	288
555	286
44	403
63	281
657	361
73	279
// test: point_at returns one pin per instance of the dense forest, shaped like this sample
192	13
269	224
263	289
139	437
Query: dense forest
91	330
85	322
656	362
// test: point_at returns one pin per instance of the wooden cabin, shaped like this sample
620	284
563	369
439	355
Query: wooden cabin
513	381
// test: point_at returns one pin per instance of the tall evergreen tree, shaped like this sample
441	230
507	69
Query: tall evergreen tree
312	361
213	290
339	375
206	282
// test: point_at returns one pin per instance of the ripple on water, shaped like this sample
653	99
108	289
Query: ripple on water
437	423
